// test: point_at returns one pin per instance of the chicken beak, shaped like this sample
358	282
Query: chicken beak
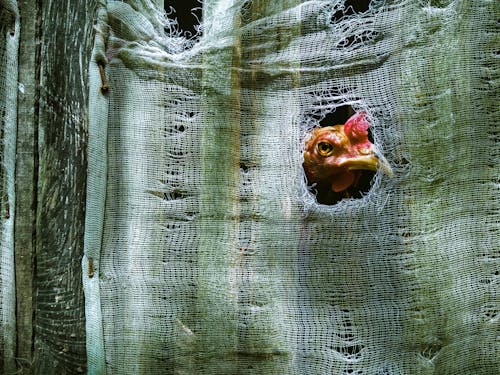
363	162
370	162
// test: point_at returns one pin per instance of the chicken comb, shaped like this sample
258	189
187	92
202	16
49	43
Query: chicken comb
357	126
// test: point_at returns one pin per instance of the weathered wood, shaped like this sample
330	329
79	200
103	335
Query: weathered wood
67	34
26	175
9	43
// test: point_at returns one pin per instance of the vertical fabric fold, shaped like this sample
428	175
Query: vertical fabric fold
96	199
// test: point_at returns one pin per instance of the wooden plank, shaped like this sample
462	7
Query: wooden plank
9	44
67	37
27	113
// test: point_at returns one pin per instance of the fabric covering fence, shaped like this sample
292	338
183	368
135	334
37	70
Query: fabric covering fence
166	187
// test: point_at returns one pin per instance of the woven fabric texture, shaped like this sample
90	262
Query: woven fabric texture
205	251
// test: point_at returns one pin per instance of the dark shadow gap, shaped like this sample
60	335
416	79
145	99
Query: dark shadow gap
188	14
350	8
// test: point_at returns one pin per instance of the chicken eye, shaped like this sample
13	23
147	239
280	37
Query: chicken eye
325	148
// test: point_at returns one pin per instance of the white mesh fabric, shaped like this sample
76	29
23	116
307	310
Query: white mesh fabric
9	41
208	253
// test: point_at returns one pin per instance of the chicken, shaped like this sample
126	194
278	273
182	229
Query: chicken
335	157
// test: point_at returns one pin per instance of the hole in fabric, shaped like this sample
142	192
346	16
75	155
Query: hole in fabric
187	13
247	12
490	311
350	351
243	167
357	6
174	194
172	130
347	182
170	195
431	350
349	8
353	372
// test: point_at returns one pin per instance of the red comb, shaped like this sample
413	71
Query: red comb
357	126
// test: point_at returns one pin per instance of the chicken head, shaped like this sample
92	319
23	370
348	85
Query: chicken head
336	155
